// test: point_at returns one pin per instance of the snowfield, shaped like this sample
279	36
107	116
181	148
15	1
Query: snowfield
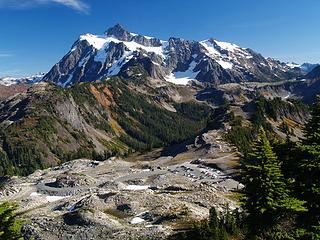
136	220
183	78
136	187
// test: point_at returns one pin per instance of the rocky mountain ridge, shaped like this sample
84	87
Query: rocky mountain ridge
47	125
94	57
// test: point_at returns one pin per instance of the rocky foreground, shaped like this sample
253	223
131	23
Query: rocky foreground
142	196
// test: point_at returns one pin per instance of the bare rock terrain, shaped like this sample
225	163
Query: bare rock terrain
141	196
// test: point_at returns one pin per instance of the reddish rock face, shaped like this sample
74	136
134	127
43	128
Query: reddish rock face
8	91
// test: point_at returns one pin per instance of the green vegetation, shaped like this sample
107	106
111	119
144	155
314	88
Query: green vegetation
242	136
307	175
276	108
10	225
267	201
239	135
60	125
223	226
148	125
282	188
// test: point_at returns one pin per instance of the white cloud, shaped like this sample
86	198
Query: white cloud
5	55
77	5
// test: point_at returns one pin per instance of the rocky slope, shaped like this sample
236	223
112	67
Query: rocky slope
94	57
144	196
48	124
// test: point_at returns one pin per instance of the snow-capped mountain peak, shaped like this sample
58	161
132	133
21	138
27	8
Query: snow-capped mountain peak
94	57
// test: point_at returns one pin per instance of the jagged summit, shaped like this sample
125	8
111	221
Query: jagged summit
176	60
119	32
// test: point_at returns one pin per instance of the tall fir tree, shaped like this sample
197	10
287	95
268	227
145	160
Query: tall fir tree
309	167
312	128
267	198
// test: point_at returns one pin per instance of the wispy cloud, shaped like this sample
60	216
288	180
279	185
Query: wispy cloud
5	55
78	5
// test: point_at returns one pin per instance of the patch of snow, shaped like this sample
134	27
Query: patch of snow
116	67
137	187
224	64
54	198
293	65
48	198
210	48
95	41
227	46
215	53
101	42
101	54
35	194
133	46
136	220
183	78
147	37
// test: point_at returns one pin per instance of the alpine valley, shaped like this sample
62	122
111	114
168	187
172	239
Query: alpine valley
133	137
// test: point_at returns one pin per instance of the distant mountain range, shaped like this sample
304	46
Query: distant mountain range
117	52
308	67
8	81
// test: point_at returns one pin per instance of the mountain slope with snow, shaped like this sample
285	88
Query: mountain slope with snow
94	57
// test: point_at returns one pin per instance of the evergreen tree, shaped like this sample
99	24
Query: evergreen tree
267	196
309	166
10	226
312	128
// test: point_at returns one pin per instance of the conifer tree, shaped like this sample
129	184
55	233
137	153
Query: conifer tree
309	166
267	197
312	128
10	226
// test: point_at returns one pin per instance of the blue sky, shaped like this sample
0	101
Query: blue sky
35	34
